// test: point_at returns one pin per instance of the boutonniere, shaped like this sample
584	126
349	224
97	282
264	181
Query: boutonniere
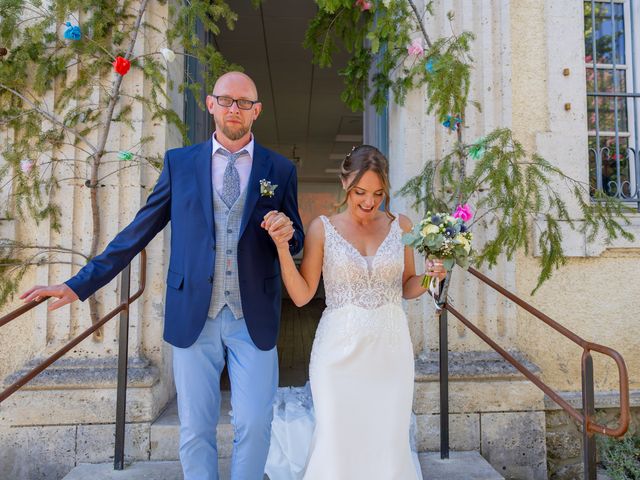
266	188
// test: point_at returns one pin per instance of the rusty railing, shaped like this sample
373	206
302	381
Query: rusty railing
585	418
123	345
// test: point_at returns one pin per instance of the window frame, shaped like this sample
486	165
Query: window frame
631	13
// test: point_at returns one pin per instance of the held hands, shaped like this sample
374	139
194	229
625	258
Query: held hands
62	292
435	268
280	228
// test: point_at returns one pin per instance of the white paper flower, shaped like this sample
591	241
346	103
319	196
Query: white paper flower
168	54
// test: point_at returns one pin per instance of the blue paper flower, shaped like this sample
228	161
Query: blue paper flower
452	123
72	32
430	65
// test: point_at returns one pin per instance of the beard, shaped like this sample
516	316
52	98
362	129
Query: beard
233	132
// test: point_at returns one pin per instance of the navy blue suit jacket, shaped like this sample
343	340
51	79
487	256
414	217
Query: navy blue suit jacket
184	197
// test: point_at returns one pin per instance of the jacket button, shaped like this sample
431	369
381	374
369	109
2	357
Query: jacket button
210	279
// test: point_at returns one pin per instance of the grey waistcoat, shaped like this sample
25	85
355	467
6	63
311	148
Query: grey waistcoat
226	287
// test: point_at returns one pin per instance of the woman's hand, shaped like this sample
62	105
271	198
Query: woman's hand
435	268
280	228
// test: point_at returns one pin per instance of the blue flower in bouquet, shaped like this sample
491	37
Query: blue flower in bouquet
435	219
450	231
463	228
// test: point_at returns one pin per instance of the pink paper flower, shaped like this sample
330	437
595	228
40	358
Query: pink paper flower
26	166
416	48
463	212
364	5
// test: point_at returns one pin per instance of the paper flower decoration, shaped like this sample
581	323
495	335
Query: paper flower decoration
125	156
476	151
452	123
72	32
415	47
121	65
430	65
26	166
168	54
463	212
364	5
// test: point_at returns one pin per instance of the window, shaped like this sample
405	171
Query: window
611	61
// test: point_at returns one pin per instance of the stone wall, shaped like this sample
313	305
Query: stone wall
564	440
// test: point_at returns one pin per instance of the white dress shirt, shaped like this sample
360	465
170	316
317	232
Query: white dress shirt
219	163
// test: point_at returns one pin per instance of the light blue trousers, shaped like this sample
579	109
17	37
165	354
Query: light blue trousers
254	381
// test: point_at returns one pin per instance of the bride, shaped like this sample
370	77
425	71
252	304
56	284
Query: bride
362	366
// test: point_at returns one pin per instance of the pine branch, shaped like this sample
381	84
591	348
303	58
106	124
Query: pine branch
50	117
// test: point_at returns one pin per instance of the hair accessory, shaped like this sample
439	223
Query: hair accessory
352	150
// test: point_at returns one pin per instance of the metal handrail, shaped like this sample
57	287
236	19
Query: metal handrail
623	375
590	427
123	309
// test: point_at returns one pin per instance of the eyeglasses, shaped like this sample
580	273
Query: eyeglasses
243	103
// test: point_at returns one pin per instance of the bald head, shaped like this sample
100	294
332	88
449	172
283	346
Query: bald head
237	81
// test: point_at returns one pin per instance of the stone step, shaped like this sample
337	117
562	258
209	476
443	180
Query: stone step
461	466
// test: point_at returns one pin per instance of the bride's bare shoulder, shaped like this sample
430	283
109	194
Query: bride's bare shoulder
405	223
316	229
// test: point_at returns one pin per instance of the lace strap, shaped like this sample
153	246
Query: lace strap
328	229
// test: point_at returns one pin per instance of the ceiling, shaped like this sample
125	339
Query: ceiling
301	102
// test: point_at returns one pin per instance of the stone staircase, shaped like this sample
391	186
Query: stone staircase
461	466
164	464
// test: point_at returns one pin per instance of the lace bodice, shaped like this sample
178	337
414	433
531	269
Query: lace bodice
348	279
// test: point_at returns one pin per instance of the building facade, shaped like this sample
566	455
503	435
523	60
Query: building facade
534	73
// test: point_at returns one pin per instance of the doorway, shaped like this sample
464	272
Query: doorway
303	119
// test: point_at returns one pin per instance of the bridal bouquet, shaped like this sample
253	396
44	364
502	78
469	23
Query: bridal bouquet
445	236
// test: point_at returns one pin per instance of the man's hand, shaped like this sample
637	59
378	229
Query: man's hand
62	292
280	227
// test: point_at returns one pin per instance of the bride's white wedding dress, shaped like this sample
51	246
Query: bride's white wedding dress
362	366
361	372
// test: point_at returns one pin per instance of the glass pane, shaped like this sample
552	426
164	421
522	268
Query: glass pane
615	179
604	29
607	82
606	105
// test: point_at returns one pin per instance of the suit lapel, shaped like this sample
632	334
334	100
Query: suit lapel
260	169
204	181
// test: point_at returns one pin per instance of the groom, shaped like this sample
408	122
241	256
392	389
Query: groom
223	282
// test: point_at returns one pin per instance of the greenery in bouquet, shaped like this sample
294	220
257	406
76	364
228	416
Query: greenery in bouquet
444	236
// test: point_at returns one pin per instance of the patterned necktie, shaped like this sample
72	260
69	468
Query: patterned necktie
231	178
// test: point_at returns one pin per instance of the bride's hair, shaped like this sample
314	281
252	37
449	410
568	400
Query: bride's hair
361	159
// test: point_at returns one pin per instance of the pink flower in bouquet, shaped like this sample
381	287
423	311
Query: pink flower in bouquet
463	212
364	5
416	48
